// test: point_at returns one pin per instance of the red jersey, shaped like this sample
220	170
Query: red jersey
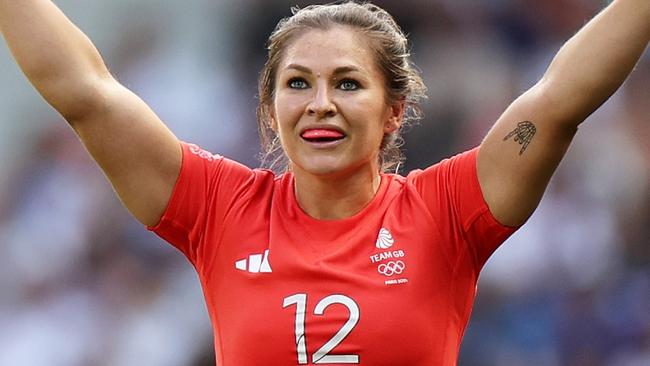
392	285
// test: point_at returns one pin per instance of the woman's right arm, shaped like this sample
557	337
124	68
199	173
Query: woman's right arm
136	151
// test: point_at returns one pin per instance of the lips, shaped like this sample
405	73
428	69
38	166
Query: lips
322	135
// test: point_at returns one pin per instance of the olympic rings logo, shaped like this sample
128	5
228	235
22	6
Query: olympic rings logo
391	268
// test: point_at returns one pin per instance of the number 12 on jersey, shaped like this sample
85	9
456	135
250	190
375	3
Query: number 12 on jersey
322	354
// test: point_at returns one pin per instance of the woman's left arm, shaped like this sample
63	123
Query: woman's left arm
520	153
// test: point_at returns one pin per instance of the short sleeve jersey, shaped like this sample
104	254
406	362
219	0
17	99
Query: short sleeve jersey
392	285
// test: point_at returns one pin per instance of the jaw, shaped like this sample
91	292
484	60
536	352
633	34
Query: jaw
337	163
319	164
328	158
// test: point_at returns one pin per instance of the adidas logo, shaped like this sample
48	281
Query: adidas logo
384	239
255	263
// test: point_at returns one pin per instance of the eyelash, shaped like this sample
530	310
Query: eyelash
354	82
291	81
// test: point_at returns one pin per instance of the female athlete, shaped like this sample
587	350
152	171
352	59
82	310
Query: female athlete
334	261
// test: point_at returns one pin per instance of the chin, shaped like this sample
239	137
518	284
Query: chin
328	166
321	166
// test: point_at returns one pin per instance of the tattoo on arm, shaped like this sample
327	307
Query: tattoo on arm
523	134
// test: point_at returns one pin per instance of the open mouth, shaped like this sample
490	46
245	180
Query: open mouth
321	135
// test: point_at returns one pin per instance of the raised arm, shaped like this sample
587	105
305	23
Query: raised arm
138	154
520	153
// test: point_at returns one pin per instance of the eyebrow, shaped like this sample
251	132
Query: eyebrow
339	70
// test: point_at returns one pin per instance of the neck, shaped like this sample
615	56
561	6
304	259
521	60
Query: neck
335	197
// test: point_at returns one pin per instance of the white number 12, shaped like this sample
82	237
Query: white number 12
321	356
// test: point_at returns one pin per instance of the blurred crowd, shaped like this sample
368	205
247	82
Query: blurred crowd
82	283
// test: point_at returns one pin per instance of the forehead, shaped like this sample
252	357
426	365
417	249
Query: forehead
331	48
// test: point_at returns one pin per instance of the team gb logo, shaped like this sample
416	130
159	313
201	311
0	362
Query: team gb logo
384	239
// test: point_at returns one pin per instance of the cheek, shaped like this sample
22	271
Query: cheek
287	110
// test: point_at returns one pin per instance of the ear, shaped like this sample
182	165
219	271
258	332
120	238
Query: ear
272	121
395	117
273	124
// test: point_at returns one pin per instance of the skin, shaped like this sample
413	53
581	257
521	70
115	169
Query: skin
330	79
138	154
586	71
142	158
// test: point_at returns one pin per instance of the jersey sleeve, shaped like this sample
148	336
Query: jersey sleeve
451	192
205	189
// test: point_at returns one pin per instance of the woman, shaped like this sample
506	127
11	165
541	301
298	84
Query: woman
333	261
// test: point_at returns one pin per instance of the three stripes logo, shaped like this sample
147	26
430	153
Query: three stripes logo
255	263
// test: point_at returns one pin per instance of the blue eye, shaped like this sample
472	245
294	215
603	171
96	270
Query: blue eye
297	83
348	84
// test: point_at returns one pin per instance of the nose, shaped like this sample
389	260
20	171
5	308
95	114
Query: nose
321	105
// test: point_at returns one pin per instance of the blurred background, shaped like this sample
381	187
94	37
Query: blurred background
82	283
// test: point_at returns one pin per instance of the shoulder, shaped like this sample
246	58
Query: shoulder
197	157
219	180
459	166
